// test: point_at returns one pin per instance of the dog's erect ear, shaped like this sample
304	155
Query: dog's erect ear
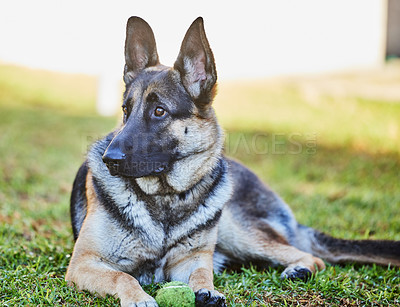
196	66
140	48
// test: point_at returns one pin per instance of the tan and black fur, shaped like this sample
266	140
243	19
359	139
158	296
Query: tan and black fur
157	200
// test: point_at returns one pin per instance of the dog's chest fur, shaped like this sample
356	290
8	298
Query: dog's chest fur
157	224
132	252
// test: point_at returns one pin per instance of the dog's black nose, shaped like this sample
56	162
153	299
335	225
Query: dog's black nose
113	159
113	156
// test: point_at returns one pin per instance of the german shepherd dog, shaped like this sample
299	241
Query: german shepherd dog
156	199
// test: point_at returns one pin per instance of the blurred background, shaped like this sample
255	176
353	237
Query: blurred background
250	40
309	97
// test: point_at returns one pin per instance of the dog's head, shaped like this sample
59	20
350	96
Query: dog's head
167	113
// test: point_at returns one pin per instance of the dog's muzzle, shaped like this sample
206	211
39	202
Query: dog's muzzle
120	164
114	159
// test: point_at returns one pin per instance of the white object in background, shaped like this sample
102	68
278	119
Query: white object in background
109	94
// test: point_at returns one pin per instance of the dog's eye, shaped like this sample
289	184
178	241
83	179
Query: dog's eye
159	112
125	110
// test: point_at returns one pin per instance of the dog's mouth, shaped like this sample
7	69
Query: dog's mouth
136	169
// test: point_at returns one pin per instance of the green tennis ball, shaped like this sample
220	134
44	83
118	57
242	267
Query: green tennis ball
174	294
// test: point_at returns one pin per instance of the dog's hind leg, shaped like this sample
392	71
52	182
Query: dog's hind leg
260	243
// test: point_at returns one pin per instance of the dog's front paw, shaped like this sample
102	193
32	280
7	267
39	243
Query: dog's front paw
297	272
210	298
149	303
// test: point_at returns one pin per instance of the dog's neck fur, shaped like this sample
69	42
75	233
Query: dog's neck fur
169	214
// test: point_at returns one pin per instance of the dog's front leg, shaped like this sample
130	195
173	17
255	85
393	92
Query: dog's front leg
196	268
201	281
88	272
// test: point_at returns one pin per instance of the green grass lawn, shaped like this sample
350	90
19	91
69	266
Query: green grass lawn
335	160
